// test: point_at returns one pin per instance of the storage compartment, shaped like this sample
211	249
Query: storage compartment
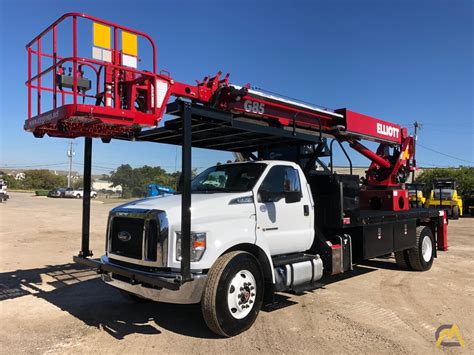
377	240
404	235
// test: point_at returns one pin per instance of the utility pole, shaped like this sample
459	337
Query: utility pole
70	155
417	125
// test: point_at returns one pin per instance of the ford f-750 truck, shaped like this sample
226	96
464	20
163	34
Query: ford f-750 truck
259	227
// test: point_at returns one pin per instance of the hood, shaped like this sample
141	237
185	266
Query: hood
203	206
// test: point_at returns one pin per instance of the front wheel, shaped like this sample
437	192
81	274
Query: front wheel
455	213
233	294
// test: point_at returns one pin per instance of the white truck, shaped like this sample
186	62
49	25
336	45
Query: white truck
254	231
77	193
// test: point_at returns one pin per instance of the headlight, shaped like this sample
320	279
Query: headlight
198	245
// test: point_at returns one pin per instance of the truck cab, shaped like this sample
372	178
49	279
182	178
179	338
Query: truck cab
259	205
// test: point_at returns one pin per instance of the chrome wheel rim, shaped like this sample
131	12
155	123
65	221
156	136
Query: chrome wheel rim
426	249
241	294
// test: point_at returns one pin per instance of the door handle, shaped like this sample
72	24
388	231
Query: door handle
270	229
306	210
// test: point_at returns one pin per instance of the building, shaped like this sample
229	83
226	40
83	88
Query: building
99	185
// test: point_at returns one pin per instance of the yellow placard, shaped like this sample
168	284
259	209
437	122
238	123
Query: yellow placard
129	43
101	35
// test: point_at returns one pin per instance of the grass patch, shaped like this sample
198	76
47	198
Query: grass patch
114	200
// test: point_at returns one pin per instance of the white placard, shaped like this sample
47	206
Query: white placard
102	54
129	61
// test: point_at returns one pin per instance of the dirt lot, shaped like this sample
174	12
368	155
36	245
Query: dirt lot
50	305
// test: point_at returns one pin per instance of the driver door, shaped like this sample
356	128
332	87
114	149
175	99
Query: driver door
284	212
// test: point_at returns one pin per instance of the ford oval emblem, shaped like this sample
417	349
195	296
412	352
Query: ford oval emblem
124	236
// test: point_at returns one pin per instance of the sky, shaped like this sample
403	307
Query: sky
401	61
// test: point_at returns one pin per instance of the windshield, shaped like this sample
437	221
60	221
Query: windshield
445	193
228	178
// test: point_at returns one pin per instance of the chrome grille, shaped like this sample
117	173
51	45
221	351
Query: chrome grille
138	236
132	227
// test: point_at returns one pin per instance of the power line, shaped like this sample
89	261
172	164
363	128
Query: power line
446	155
20	166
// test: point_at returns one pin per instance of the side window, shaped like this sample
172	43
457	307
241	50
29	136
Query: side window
292	181
216	179
279	181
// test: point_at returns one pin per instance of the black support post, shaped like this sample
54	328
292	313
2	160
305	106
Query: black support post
86	199
186	194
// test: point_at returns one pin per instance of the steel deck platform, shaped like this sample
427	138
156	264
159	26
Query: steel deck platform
219	130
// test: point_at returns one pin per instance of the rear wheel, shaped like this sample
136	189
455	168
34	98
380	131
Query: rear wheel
233	294
422	255
401	257
455	212
78	196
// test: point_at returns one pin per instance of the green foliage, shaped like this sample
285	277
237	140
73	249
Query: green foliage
463	175
77	183
134	181
41	192
37	180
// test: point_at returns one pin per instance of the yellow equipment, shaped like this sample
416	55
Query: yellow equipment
444	195
415	195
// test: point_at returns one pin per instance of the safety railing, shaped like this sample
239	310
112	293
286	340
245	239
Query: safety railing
112	60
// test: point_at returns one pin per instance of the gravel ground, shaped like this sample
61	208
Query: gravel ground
51	305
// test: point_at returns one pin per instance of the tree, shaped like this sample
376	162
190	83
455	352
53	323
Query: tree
134	181
37	180
464	176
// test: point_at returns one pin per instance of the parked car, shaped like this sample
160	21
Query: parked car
57	192
78	193
3	191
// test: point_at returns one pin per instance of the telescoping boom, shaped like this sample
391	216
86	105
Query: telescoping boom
108	95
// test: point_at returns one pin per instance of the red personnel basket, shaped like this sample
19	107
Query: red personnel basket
116	98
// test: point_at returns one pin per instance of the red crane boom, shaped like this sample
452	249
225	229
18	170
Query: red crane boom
126	99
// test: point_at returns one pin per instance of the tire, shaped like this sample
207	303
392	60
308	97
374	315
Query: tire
472	212
236	277
78	196
422	255
402	260
455	212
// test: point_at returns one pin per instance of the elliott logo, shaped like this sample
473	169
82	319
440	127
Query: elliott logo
387	130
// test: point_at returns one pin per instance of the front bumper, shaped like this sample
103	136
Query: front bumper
188	293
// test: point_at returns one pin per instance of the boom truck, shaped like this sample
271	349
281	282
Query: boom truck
239	232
